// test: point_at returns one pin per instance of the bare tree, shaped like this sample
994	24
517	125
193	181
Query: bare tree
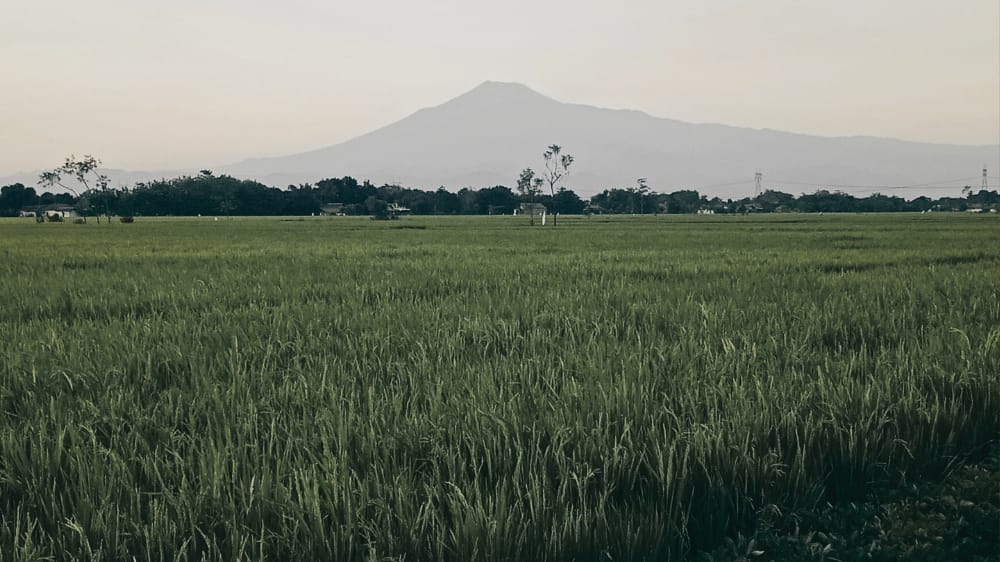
83	171
641	189
557	166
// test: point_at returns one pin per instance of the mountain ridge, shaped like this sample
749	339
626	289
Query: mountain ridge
486	135
611	146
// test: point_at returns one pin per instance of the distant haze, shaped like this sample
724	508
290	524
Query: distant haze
487	135
187	85
484	137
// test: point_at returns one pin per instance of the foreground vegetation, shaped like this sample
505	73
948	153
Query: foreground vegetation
474	389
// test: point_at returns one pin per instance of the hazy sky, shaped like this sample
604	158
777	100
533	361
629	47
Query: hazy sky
151	84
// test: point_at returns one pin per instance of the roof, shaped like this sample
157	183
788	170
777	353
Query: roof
54	207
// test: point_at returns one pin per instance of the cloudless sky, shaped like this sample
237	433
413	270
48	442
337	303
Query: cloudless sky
157	84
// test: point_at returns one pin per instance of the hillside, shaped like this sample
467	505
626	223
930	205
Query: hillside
487	135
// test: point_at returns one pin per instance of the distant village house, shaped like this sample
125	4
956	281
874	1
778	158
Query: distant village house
332	209
51	212
531	209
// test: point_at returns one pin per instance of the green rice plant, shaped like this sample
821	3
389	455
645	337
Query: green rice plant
473	389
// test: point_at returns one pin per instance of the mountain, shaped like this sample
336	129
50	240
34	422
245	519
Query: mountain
487	135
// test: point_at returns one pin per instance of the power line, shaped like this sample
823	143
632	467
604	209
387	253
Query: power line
929	185
757	182
727	184
856	188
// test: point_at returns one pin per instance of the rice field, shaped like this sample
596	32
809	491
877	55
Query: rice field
448	388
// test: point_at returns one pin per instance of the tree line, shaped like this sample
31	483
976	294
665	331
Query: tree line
221	195
635	201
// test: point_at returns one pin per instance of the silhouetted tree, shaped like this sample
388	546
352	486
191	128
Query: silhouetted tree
84	171
529	186
15	197
683	201
613	201
771	201
567	202
556	167
446	202
498	199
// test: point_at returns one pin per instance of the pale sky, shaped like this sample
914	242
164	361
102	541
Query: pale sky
152	84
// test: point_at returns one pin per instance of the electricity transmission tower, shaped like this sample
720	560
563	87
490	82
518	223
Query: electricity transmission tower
757	178
967	190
